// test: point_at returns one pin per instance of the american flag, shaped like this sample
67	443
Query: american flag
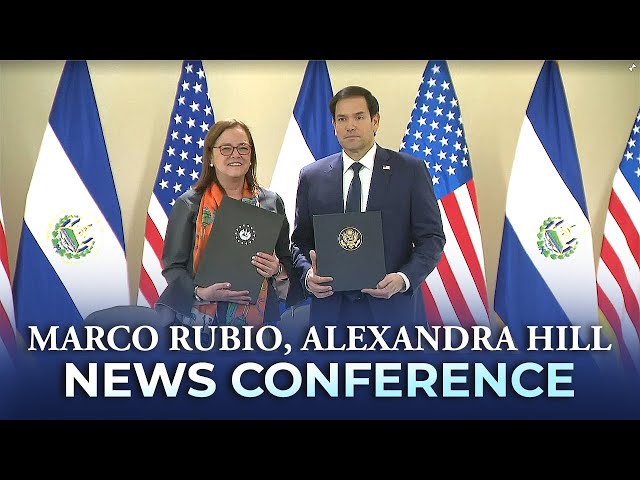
8	349
455	293
618	276
180	167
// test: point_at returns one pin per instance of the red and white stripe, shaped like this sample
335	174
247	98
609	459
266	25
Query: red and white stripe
618	276
152	283
8	349
455	293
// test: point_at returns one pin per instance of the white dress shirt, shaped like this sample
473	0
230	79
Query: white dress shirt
365	176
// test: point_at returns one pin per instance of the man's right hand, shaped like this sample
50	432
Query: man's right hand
315	283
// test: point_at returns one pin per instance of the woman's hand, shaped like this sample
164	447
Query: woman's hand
267	265
221	292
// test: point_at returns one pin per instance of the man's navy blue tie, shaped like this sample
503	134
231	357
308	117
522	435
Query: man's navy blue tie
354	197
355	190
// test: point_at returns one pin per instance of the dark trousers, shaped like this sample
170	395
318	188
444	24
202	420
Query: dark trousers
352	312
355	311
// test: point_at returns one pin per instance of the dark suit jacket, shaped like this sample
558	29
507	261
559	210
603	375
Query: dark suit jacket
411	224
177	255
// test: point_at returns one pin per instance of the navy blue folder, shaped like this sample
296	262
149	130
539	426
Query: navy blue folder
350	248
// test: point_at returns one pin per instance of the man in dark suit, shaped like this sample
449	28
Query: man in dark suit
396	184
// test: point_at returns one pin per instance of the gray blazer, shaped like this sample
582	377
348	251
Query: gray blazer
177	255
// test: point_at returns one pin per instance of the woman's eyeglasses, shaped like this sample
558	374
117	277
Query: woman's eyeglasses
227	150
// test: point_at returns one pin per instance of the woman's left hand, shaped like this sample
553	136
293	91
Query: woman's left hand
266	264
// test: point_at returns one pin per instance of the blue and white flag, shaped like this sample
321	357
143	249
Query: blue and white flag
546	270
71	256
309	137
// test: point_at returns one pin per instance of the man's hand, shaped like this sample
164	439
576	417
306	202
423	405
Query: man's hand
391	284
315	283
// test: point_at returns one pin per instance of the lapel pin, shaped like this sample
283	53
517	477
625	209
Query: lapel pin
386	167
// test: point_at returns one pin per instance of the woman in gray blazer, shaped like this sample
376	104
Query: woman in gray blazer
229	168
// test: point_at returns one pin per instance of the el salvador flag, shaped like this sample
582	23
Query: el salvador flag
71	256
546	270
309	137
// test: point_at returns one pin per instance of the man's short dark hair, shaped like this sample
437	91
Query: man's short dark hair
355	91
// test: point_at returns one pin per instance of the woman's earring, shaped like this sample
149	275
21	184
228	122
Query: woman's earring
211	164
